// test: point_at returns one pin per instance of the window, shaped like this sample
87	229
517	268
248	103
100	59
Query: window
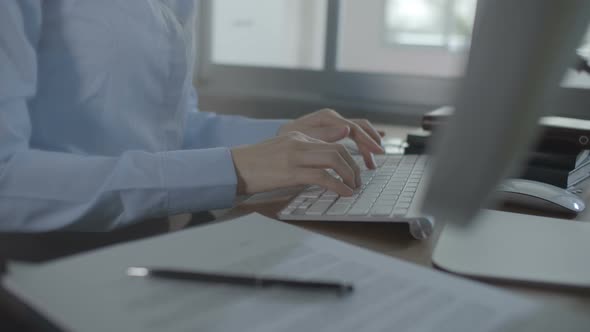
427	38
432	23
327	52
402	56
270	33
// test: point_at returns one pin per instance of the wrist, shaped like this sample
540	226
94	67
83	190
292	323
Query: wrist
241	183
284	128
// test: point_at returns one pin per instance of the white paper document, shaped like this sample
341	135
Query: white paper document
91	292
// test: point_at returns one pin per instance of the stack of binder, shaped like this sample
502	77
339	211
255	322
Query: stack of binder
562	150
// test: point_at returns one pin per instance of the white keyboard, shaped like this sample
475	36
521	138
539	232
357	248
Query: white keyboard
387	195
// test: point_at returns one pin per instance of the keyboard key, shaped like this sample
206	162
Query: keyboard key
299	212
338	210
305	205
391	192
397	181
381	201
287	211
402	205
370	194
386	172
328	198
380	178
389	197
345	200
405	200
299	200
366	201
311	194
318	208
359	209
381	210
374	188
400	212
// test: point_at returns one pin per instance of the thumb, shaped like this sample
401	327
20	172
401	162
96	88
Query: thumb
328	134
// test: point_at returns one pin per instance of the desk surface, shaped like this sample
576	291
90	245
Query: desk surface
394	239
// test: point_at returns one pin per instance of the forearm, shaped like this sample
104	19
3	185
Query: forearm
205	130
42	190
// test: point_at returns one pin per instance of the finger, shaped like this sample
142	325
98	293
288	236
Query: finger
367	149
369	159
301	137
323	179
366	145
369	129
328	159
357	133
348	157
381	133
301	140
328	134
344	153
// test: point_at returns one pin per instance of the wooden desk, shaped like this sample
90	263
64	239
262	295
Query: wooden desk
394	239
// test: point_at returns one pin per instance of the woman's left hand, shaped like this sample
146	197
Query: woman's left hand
329	126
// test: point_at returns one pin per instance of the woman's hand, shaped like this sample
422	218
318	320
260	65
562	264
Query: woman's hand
327	125
294	159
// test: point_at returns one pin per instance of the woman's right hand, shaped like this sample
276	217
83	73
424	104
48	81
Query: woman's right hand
294	159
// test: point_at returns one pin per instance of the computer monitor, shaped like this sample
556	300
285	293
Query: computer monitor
519	54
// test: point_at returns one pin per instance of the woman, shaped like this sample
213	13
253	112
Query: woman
99	124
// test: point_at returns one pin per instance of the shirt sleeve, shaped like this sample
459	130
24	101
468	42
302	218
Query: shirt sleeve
43	190
207	130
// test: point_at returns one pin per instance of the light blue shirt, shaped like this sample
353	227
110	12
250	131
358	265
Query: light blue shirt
98	118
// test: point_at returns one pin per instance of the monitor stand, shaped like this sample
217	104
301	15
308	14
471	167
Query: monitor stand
517	247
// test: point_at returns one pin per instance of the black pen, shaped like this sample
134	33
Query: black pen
242	279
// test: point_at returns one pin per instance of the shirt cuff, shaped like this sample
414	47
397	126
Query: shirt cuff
198	180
